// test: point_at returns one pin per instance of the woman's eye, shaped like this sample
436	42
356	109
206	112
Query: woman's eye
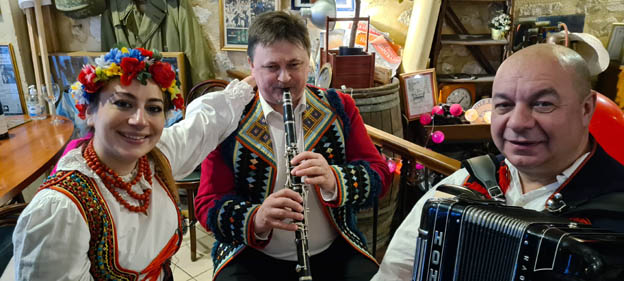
154	109
122	104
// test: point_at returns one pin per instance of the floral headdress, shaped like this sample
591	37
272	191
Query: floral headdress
128	64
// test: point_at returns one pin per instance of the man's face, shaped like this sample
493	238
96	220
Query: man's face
278	66
539	121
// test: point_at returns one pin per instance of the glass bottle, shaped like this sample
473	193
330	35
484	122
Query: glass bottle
36	109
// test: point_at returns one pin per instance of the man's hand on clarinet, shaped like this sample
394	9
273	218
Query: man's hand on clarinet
316	170
279	206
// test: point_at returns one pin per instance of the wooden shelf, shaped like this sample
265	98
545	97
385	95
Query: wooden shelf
475	78
471	40
463	132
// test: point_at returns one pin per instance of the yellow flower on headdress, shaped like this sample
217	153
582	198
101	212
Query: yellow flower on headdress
124	50
113	70
173	90
76	86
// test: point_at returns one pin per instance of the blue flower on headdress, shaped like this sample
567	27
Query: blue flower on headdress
115	55
134	53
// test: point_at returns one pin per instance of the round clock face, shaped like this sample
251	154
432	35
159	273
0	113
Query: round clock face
460	96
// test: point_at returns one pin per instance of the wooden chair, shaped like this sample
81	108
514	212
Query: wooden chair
8	220
191	182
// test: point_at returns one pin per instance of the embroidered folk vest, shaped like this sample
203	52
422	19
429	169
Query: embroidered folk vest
102	244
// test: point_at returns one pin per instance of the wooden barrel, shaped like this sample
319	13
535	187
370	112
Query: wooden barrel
387	207
380	106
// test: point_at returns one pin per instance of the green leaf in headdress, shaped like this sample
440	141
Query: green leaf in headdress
143	76
157	55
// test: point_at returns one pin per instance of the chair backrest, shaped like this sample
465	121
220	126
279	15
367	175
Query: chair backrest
8	220
204	87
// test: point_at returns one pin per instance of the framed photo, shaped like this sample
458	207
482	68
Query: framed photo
323	80
235	17
419	91
11	93
616	41
298	4
345	5
65	67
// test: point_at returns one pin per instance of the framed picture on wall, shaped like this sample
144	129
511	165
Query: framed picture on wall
616	41
419	91
235	17
345	5
298	4
11	93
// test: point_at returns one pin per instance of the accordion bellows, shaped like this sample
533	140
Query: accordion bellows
465	239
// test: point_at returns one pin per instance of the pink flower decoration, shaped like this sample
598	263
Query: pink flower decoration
437	137
437	110
456	110
391	165
425	119
419	166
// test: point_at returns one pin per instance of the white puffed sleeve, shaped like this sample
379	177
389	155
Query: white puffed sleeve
209	120
51	240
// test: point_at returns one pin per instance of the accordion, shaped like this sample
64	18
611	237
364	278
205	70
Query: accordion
469	239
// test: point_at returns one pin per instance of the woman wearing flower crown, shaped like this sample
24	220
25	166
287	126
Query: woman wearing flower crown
109	212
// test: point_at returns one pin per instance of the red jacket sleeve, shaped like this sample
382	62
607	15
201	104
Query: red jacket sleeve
217	181
360	147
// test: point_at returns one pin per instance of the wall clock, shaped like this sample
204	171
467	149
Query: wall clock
460	93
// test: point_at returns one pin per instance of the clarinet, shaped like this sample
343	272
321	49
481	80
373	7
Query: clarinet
296	184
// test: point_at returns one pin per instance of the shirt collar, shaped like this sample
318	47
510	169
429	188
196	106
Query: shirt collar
560	178
267	109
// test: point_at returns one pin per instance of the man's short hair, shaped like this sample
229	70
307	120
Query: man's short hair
271	27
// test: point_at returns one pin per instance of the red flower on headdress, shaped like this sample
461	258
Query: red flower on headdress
87	78
145	52
131	68
82	110
178	102
162	74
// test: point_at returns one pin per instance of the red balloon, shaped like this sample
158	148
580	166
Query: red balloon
607	126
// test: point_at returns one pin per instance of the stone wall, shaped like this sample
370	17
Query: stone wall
387	15
599	15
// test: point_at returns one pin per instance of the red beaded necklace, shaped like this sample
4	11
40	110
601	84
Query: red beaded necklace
112	180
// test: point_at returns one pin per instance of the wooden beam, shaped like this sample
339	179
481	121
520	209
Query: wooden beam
431	159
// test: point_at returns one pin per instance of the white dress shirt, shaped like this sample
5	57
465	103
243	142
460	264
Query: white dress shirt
51	239
398	261
321	234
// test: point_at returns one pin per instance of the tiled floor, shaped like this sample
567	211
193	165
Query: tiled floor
200	269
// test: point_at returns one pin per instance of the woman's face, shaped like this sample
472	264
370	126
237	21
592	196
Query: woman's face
127	122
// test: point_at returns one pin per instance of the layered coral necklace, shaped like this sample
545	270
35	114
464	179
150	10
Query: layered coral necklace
112	181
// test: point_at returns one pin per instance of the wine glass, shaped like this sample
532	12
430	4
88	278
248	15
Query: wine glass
51	96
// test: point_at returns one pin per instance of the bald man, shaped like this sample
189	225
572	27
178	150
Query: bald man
542	106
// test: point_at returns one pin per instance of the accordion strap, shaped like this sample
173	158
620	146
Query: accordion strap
483	168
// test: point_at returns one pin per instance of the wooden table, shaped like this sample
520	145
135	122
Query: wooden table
31	149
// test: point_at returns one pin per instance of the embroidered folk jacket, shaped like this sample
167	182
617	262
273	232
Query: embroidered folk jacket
243	173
